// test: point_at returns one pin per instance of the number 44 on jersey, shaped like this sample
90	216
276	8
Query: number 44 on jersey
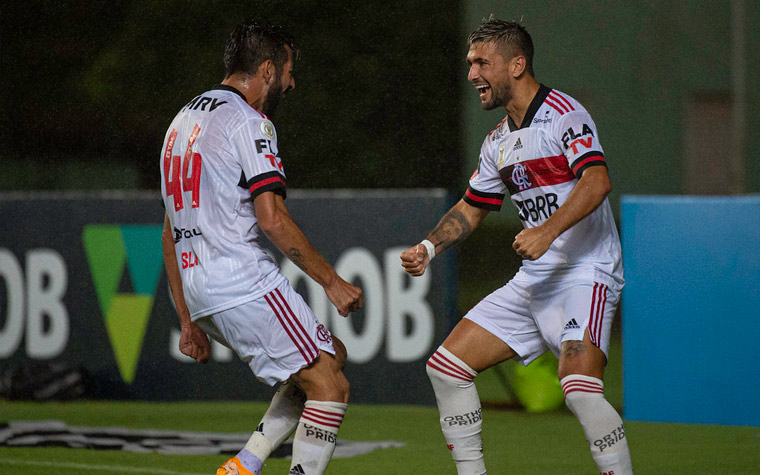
182	173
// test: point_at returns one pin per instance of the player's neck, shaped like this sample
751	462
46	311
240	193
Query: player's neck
249	86
523	93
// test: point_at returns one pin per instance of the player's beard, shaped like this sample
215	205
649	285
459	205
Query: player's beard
272	98
500	96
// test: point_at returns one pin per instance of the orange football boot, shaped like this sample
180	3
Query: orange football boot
233	466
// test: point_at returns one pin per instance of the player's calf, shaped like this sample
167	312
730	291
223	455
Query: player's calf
316	436
459	408
327	395
601	423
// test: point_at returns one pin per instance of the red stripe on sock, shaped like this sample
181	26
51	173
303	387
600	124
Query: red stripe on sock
451	365
582	386
448	373
320	421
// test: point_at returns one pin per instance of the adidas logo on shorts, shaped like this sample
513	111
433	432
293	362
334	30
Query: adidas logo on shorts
571	324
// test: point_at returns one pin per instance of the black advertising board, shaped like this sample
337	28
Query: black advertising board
82	281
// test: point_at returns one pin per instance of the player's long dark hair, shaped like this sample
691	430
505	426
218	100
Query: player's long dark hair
510	35
253	42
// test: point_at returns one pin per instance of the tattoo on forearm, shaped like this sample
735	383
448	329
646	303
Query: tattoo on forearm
452	229
573	349
295	256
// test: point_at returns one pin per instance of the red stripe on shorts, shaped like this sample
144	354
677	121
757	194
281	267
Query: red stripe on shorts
298	322
289	318
287	330
592	315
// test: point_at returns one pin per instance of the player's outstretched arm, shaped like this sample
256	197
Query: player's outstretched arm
590	191
193	341
454	227
275	220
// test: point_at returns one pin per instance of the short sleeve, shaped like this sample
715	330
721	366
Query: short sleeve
256	143
486	189
580	141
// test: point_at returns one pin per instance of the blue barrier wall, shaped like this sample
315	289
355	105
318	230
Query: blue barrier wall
691	309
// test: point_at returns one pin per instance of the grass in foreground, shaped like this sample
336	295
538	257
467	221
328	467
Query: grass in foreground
515	442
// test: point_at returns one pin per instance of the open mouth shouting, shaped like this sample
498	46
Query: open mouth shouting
482	89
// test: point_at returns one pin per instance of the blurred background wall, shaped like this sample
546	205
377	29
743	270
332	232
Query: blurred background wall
382	98
673	87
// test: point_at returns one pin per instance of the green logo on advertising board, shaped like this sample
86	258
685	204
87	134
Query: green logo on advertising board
110	251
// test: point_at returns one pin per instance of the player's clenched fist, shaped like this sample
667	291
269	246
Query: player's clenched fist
345	296
415	260
194	343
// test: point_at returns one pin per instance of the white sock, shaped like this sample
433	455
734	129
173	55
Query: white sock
315	438
278	423
601	423
459	408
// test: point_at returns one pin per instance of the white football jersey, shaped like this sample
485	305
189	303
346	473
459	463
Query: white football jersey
539	164
218	155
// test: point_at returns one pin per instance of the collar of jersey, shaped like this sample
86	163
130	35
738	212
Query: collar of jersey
538	99
225	87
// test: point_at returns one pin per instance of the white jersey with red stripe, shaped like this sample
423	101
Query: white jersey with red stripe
218	155
539	163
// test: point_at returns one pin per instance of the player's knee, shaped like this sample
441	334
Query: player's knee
325	381
343	388
581	390
445	368
340	352
433	373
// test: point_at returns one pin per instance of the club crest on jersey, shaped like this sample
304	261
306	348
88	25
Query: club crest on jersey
520	177
323	334
267	128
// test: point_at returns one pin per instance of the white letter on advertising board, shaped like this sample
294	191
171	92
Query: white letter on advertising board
407	307
363	346
46	281
11	274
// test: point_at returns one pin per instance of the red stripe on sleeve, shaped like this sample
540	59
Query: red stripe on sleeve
554	106
492	201
267	181
593	158
562	99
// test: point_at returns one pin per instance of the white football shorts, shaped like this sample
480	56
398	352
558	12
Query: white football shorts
277	335
533	313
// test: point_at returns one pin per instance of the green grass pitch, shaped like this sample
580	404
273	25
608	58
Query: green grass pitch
516	443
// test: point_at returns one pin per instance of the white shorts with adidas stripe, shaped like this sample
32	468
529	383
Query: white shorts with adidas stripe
536	311
277	334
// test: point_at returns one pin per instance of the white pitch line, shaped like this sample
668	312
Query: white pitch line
82	466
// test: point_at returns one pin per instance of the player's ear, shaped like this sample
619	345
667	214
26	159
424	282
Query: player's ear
267	70
518	65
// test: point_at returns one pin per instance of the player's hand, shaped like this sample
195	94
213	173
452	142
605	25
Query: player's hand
415	260
532	243
194	343
346	297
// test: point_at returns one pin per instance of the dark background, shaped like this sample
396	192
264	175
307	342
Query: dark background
381	98
90	87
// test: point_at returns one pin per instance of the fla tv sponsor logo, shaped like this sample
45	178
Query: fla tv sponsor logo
119	256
